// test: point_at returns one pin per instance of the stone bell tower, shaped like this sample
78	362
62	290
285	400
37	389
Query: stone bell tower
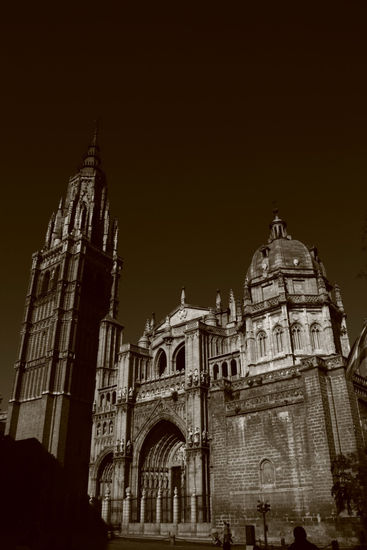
73	286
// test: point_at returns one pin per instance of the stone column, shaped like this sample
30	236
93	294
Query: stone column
193	507
142	507
158	507
126	514
106	507
176	511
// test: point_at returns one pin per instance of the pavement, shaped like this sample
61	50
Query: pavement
142	544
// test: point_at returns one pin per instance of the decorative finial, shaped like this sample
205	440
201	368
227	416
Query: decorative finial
183	296
152	321
94	141
278	228
218	300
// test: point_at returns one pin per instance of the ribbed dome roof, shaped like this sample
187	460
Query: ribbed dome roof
281	252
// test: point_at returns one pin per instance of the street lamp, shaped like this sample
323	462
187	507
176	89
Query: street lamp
264	507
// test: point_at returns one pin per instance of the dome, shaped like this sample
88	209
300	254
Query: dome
281	252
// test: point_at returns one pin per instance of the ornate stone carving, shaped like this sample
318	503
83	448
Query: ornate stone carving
276	399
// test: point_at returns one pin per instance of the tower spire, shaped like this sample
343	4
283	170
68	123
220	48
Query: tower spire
92	158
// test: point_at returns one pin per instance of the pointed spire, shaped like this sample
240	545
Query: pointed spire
50	230
144	340
183	296
218	300
321	285
278	228
246	294
152	321
338	297
92	158
232	306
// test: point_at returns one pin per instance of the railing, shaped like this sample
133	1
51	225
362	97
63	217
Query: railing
165	508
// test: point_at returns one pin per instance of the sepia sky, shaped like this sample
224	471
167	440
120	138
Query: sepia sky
208	119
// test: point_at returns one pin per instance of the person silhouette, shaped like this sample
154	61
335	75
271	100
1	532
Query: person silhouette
227	536
300	540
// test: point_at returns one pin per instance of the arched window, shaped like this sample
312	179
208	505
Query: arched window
261	344
55	277
108	400
45	282
110	427
233	367
113	398
161	362
101	401
315	336
278	339
297	336
180	359
215	372
98	429
224	370
267	473
104	428
83	219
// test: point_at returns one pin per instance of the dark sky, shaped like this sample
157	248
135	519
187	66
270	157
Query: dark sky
207	119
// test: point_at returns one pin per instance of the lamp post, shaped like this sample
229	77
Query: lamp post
264	507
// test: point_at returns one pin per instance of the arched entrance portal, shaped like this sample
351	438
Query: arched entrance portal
104	476
162	472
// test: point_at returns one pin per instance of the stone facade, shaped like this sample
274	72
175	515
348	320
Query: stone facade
214	408
221	407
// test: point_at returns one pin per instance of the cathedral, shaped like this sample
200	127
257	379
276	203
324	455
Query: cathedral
213	409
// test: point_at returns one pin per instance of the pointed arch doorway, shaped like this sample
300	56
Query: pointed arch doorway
162	473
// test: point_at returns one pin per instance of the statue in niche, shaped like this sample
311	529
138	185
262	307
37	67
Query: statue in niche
128	448
189	381
131	391
196	377
197	436
190	436
119	395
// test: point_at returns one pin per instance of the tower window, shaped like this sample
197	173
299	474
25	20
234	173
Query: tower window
297	336
161	362
180	359
83	219
225	370
261	344
315	336
233	367
45	282
278	337
215	372
55	277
